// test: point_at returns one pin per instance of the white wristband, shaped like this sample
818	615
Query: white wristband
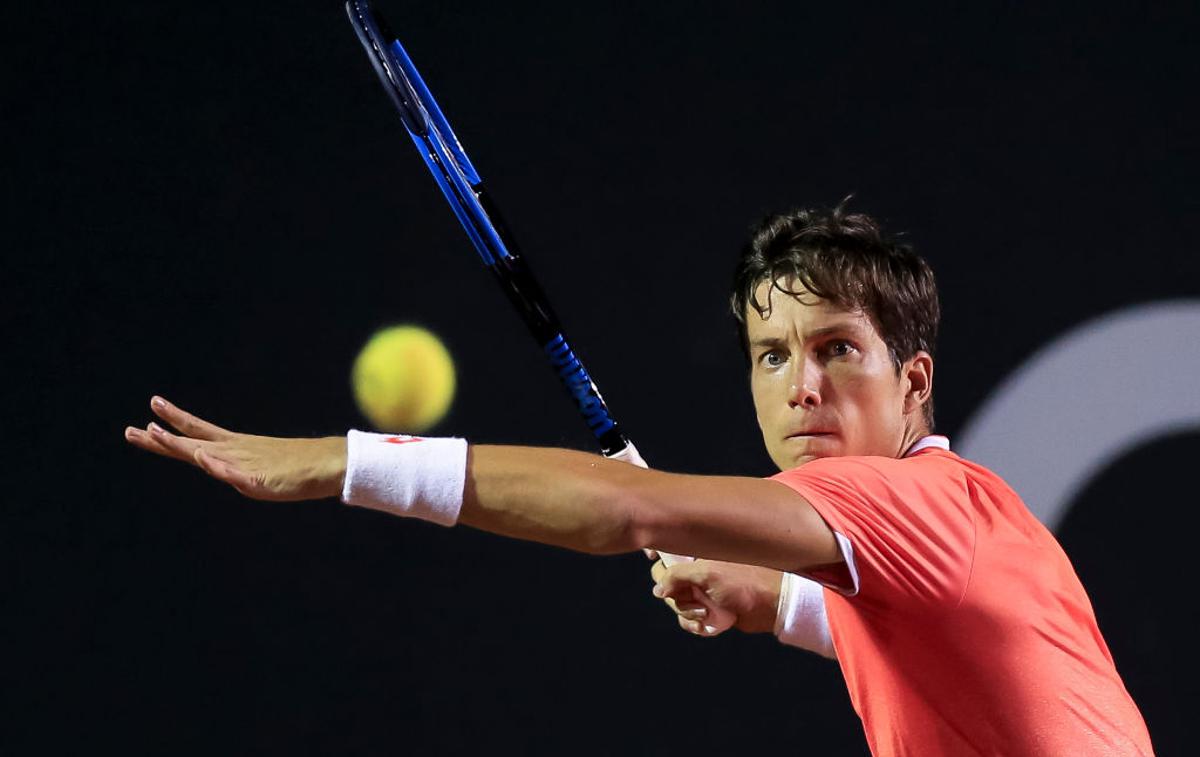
801	620
410	476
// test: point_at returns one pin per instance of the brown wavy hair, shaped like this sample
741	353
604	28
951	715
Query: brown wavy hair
844	258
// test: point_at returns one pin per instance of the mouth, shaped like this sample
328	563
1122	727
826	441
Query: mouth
809	435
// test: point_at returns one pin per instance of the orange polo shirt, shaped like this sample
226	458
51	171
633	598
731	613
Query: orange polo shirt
964	629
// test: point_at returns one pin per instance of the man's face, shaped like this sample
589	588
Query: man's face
823	382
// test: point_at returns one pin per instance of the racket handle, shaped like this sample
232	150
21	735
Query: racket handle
717	619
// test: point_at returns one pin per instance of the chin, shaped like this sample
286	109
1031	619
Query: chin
800	460
808	457
801	450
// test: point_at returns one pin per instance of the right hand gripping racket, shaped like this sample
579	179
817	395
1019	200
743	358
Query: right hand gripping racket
463	188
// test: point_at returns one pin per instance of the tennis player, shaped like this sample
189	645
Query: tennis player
958	621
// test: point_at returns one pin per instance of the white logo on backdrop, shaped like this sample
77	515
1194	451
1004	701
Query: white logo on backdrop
1087	398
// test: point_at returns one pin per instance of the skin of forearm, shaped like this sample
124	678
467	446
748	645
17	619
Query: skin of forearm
560	497
590	504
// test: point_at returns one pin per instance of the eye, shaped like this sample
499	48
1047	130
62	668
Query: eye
838	348
773	359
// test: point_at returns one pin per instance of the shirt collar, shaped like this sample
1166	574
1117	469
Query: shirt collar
925	442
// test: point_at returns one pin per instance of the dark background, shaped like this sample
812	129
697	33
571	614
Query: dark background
216	202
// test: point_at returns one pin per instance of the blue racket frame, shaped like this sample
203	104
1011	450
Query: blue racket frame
463	187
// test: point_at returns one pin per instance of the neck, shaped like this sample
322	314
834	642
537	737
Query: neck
912	434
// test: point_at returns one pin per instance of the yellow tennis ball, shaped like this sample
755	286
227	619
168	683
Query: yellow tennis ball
403	379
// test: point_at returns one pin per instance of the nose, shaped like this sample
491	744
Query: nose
802	394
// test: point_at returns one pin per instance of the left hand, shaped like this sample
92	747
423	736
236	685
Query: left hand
749	592
260	467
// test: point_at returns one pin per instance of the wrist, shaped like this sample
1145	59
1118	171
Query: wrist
764	604
768	603
333	475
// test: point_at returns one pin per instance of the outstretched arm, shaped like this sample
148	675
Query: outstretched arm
560	497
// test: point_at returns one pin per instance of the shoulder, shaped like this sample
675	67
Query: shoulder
931	486
908	523
930	462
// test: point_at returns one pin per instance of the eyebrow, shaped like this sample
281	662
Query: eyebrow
841	326
845	327
767	341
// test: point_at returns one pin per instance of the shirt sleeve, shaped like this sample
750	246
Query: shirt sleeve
908	525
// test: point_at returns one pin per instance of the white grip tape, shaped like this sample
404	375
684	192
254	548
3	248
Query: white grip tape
410	476
717	619
630	455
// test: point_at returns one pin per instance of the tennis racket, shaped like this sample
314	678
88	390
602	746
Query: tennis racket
463	188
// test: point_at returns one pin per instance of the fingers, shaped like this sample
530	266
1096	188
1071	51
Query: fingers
684	598
164	443
674	582
650	554
686	588
679	581
161	442
698	628
151	442
179	447
657	570
691	610
186	423
681	587
688	609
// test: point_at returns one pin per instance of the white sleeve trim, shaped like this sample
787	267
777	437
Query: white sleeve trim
848	555
847	550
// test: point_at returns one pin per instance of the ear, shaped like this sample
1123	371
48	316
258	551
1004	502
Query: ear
917	371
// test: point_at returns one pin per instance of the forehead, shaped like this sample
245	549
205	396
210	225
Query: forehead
788	306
